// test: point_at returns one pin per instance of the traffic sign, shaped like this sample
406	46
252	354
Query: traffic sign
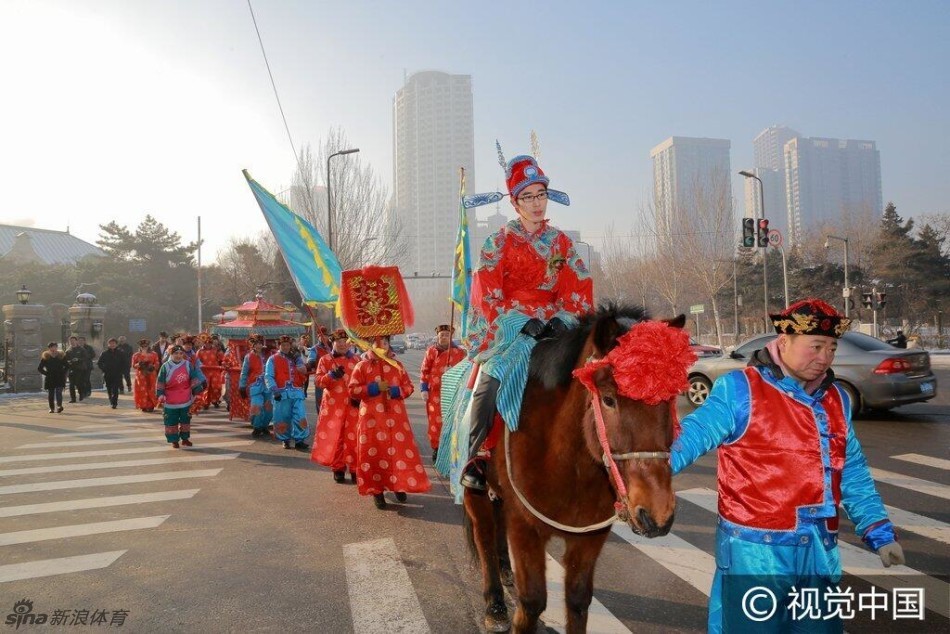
697	309
775	238
136	325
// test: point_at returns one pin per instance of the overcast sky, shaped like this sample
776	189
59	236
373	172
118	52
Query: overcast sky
112	109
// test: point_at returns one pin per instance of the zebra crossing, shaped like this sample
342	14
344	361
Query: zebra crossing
677	555
40	468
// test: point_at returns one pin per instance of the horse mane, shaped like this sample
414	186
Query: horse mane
553	360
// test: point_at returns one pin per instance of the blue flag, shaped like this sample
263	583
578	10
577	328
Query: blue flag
462	269
311	263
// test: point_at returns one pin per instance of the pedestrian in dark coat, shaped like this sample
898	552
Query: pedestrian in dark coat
126	350
53	368
112	364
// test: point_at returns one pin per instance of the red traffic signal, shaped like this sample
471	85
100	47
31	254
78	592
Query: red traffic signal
763	234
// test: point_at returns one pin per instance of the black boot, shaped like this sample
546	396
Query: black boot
483	413
379	500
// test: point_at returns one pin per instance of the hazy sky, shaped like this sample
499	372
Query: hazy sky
112	109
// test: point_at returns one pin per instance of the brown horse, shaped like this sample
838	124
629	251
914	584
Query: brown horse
558	468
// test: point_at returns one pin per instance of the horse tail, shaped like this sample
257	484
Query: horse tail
469	529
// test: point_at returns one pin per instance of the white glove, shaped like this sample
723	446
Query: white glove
425	395
891	554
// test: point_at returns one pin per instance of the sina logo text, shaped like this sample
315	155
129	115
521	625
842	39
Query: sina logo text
23	615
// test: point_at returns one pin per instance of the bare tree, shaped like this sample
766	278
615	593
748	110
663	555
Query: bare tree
364	229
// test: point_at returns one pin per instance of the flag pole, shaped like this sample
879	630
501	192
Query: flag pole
452	298
200	329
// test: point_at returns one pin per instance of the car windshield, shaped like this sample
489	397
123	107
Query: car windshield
751	346
865	342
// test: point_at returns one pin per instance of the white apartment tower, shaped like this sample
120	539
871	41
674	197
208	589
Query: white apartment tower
769	165
688	172
827	178
433	136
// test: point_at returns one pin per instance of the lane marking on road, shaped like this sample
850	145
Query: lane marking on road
858	562
80	530
928	461
94	503
912	484
599	618
382	598
100	482
90	466
62	565
919	524
691	564
85	443
112	425
69	455
114	432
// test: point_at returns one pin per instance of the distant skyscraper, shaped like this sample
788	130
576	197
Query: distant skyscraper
768	146
433	136
688	172
826	178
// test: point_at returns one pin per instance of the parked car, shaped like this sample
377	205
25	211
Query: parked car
397	343
875	374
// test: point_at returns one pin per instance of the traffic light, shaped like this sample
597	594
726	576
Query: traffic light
763	233
881	299
748	232
866	300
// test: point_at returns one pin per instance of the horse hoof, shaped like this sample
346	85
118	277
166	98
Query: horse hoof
497	623
507	577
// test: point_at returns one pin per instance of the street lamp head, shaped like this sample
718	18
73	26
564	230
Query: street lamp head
746	173
23	295
350	151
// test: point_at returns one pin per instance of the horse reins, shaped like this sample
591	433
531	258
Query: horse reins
610	462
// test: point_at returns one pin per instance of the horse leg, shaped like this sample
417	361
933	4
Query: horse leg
480	512
529	558
501	544
580	557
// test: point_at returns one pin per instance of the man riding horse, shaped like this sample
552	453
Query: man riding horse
529	281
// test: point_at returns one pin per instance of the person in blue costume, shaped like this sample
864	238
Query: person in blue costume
788	458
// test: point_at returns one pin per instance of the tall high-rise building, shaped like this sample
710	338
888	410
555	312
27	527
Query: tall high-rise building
827	178
769	145
690	177
433	136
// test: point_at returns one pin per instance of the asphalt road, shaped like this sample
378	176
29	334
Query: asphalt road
237	534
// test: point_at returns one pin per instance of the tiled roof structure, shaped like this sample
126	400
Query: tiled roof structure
26	244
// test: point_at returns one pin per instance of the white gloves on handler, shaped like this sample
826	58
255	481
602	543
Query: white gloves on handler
891	554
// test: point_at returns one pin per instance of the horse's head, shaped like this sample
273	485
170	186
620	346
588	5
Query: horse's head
634	369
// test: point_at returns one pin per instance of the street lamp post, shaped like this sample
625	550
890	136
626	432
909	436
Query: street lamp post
330	213
847	287
784	273
765	267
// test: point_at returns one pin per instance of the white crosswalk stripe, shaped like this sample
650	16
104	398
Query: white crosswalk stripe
78	530
911	484
117	441
70	455
109	481
599	619
692	565
930	461
121	464
59	566
92	503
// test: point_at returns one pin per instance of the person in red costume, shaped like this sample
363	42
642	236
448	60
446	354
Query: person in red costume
145	362
386	452
789	462
529	281
334	444
438	358
211	360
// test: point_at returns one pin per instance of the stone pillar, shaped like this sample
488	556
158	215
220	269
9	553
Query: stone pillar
22	337
85	320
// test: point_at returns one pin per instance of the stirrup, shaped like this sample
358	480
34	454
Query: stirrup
473	477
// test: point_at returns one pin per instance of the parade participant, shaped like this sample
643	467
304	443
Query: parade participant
438	358
322	347
788	458
303	344
178	382
76	369
284	373
386	452
53	368
88	366
251	387
161	346
146	365
112	364
334	444
210	361
126	351
231	365
529	281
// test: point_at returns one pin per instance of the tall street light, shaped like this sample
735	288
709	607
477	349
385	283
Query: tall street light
330	214
847	287
765	268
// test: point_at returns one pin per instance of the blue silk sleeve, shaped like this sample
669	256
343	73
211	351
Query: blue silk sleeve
269	379
860	498
710	425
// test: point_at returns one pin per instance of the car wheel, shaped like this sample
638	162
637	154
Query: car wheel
699	387
853	396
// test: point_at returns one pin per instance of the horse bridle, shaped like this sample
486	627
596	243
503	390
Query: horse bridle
610	459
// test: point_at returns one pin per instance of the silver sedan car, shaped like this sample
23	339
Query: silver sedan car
875	374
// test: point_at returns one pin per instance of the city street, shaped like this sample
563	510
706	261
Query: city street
104	525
